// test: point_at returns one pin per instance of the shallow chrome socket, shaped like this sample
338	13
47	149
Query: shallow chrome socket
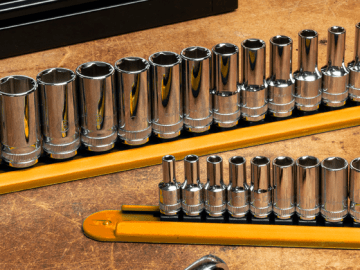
196	76
20	121
334	189
354	187
225	80
308	187
284	187
238	189
134	101
215	189
261	187
167	98
281	82
60	118
169	188
254	88
97	105
354	68
308	78
335	83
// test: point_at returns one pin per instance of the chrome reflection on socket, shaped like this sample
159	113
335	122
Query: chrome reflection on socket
261	187
334	189
169	188
60	119
355	189
308	187
354	68
254	88
134	101
167	98
281	82
335	83
196	76
215	189
192	189
97	105
284	187
238	189
308	78
226	96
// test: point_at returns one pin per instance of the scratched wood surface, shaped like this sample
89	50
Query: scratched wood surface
41	228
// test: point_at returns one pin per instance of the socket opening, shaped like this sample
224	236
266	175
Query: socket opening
95	70
260	161
214	159
237	160
355	164
334	163
357	25
337	30
168	158
165	59
281	40
253	43
225	49
307	33
17	85
56	76
132	65
191	158
283	161
308	161
196	53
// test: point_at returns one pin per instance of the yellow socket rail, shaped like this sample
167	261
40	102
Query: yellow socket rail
49	173
136	223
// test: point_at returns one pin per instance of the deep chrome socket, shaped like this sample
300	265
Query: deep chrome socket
196	76
334	189
261	187
335	83
169	188
284	187
20	121
238	189
167	97
215	189
355	189
308	78
192	189
354	68
254	88
281	82
59	107
225	84
308	187
134	101
98	105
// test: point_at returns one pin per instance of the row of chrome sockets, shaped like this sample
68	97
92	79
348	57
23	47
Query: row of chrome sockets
306	187
193	89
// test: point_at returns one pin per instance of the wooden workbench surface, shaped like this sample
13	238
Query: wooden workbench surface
41	228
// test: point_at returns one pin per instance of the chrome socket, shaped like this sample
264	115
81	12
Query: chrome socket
167	98
196	76
225	85
261	187
208	262
355	189
308	187
215	189
335	83
20	121
238	189
308	78
97	105
334	189
192	189
284	187
134	101
354	68
60	118
281	82
169	188
254	88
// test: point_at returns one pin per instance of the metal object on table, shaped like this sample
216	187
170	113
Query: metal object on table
208	262
196	76
254	88
225	84
134	101
284	187
354	187
334	189
238	189
98	105
169	188
354	68
335	82
308	78
59	107
20	121
281	82
215	189
308	187
261	187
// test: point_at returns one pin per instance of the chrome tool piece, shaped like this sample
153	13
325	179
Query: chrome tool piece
355	189
354	68
208	262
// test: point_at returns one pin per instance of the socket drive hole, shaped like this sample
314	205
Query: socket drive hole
196	53
284	161
308	161
356	164
191	158
17	85
260	160
308	33
237	160
225	48
168	158
95	69
281	40
56	76
214	159
337	29
132	64
253	43
165	58
334	163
